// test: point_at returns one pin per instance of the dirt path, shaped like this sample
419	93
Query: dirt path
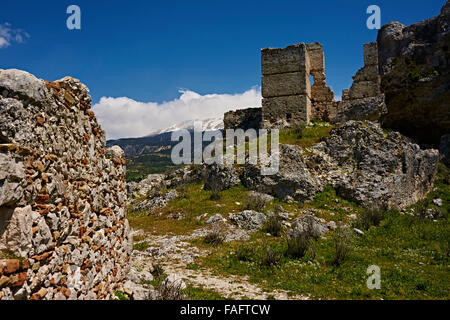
174	253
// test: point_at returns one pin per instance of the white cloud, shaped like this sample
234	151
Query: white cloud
124	117
8	35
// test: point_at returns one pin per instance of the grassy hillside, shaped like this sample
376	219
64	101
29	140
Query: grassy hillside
411	251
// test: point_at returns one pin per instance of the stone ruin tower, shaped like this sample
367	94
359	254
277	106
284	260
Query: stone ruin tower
289	99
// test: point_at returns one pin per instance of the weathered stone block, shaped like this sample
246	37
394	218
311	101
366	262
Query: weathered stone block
284	84
316	56
371	54
364	89
368	73
321	94
286	110
280	60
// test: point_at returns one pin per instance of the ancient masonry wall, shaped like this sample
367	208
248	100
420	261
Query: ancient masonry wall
289	99
286	87
364	100
367	81
63	232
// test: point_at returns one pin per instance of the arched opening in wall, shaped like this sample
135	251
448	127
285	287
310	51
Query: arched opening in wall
311	79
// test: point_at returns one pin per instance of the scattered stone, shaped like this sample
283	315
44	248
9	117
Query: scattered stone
215	218
248	219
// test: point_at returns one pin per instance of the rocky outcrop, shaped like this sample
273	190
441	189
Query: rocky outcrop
415	68
292	182
62	194
220	177
249	118
361	161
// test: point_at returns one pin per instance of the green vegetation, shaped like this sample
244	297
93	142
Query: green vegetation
308	136
199	293
141	166
120	295
141	246
194	203
411	251
414	72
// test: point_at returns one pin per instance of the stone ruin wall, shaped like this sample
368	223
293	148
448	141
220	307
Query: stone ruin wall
289	99
286	88
63	231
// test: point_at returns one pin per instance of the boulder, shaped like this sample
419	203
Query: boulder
248	219
308	224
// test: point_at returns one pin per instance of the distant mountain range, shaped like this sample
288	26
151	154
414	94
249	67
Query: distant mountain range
160	141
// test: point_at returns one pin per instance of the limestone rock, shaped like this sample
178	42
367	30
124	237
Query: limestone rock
292	182
11	174
221	177
308	223
248	219
17	233
363	163
415	69
245	119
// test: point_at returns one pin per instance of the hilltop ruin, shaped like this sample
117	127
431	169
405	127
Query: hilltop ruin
289	98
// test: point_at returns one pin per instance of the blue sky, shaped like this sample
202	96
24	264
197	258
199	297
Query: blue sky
149	50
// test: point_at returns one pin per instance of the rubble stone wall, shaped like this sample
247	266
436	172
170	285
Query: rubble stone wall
63	231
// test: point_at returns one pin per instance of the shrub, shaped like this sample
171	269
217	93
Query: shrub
244	253
158	271
255	202
214	238
183	192
270	258
171	290
298	131
141	246
370	217
299	242
215	196
343	238
273	225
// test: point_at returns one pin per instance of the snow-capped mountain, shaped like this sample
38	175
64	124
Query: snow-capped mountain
160	141
210	124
